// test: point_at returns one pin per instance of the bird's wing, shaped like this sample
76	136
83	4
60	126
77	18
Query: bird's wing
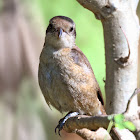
42	83
80	59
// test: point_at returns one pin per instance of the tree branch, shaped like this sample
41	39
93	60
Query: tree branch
84	121
78	123
83	124
101	9
86	134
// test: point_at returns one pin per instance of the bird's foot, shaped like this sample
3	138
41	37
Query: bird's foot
63	120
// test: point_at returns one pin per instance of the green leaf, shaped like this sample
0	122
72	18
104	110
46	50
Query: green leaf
120	126
119	118
129	125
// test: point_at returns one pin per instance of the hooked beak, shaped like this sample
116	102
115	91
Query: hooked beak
60	33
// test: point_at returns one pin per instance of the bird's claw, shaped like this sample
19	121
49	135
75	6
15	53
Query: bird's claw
63	120
59	126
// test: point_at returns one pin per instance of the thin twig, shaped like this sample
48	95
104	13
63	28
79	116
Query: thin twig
136	91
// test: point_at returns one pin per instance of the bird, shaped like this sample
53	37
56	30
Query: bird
65	75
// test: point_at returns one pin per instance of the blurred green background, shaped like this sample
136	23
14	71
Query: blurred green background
24	115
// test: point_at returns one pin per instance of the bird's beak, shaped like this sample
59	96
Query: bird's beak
60	33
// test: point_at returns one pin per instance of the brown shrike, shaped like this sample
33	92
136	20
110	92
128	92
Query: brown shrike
65	75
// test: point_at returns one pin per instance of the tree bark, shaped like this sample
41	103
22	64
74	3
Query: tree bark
120	23
121	76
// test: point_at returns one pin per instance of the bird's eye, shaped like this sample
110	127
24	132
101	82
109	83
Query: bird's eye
71	29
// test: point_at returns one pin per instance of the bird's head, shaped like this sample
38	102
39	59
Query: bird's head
61	32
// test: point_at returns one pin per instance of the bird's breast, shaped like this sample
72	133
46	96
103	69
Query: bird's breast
70	87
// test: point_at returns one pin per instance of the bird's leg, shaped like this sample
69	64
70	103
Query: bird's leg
63	120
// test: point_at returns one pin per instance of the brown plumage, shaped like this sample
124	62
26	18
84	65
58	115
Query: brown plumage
66	78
